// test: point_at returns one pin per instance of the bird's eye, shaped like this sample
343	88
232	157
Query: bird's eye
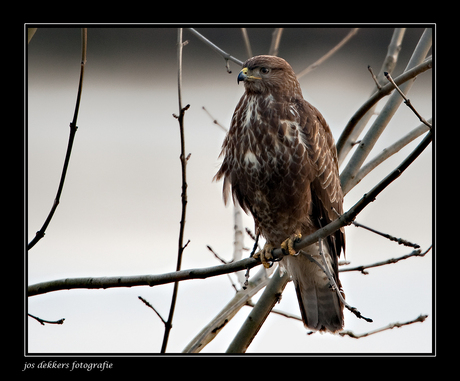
264	70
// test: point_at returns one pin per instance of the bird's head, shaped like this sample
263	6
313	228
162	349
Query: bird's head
268	74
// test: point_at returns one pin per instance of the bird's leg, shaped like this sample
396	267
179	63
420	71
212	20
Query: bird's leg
288	245
265	255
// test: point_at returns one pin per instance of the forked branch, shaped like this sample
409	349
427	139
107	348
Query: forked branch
407	101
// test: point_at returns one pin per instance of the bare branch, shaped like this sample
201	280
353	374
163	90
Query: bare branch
420	319
183	160
224	262
212	329
400	241
225	55
328	54
153	308
214	120
259	313
138	280
73	129
377	84
415	253
407	101
43	321
217	256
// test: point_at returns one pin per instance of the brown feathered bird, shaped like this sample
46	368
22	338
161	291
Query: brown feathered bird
280	163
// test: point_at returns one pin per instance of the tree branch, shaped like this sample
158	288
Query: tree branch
400	241
43	321
153	308
420	319
225	55
415	253
215	121
73	129
183	160
138	280
407	101
241	298
328	54
259	313
383	92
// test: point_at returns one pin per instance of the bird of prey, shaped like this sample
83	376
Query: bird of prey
280	164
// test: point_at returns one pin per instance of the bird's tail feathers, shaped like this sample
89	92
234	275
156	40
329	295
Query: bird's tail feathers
320	307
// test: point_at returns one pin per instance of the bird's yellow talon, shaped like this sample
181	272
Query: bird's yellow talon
288	245
265	255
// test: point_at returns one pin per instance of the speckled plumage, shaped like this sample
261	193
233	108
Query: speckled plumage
280	164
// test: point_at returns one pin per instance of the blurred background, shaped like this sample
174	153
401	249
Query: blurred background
120	208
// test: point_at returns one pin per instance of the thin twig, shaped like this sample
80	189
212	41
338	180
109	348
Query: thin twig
43	321
183	160
361	269
153	308
353	335
224	262
250	303
73	129
328	54
227	57
407	101
215	121
217	256
400	241
374	77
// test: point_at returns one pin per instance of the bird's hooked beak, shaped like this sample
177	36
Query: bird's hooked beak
245	75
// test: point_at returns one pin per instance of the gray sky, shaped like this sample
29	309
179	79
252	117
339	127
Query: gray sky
120	208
